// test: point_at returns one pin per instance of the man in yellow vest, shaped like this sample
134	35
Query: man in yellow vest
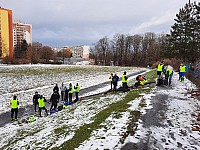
124	82
71	91
77	90
182	70
168	75
41	105
111	80
160	69
14	107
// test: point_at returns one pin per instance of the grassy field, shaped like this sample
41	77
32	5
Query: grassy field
116	108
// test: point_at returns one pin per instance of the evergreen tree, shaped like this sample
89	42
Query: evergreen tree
184	39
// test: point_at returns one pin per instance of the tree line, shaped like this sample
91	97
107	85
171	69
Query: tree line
24	53
129	50
183	43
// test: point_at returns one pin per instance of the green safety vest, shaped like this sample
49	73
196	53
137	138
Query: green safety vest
14	103
72	90
123	78
77	89
41	102
182	68
160	66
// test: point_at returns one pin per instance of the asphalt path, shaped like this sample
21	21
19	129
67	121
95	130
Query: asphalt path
28	110
151	118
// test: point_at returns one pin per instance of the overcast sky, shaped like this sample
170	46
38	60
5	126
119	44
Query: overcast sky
84	22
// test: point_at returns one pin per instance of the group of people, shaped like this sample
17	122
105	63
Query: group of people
168	71
165	73
114	82
140	82
63	93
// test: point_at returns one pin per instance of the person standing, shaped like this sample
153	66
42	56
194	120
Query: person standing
182	70
124	82
56	89
168	75
66	94
160	69
62	89
35	100
77	90
14	107
41	102
71	91
115	81
54	100
111	80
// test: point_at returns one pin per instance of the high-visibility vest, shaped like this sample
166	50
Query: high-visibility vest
110	78
72	90
41	102
160	66
123	78
170	71
77	89
64	107
14	103
143	82
182	68
32	119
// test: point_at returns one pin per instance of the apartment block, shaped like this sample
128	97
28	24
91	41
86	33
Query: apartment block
80	51
6	33
21	31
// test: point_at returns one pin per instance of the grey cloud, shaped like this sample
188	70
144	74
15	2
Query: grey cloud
62	21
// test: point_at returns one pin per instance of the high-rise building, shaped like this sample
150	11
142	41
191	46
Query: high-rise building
21	32
6	33
80	51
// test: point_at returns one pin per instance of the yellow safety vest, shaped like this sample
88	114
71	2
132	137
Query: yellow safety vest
182	68
143	82
110	78
41	102
170	71
77	89
160	66
64	106
14	103
72	90
123	78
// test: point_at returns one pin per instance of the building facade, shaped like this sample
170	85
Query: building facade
22	31
22	37
80	51
6	33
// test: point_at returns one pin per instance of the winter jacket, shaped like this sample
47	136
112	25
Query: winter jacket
55	98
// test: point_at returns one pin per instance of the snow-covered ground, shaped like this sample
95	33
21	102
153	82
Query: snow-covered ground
52	131
24	80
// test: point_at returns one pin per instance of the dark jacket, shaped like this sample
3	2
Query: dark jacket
55	98
56	89
35	98
115	79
